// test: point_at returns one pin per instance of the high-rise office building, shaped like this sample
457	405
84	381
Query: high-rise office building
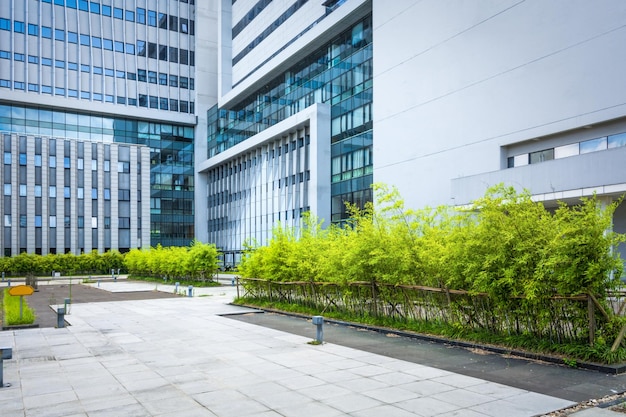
104	82
254	112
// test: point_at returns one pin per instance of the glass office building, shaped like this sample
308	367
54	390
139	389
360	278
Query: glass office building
108	72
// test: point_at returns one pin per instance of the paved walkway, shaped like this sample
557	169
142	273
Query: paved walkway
181	357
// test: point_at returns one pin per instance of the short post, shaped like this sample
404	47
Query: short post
3	276
190	291
60	317
318	321
232	281
67	301
176	287
9	282
5	353
113	274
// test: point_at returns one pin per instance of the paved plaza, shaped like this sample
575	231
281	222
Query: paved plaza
182	357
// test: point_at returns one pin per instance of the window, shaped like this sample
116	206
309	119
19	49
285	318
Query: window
5	83
38	221
67	192
173	81
130	49
143	100
152	50
84	40
85	95
141	48
174	23
152	18
33	29
162	79
163	103
7	55
46	89
94	7
59	34
5	24
107	166
118	13
131	76
23	220
72	66
184	56
22	190
184	82
593	145
52	191
184	108
96	42
38	190
120	74
141	75
94	193
72	93
53	221
46	32
162	52
162	21
33	59
94	222
184	25
19	57
33	87
119	46
121	100
109	72
141	15
191	84
46	61
107	44
152	77
173	104
106	10
19	85
130	15
173	54
85	68
19	27
72	37
7	220
71	4
7	189
83	5
154	102
59	64
59	91
97	70
107	194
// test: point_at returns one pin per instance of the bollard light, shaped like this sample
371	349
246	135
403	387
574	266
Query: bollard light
65	304
176	287
60	317
318	321
5	353
190	291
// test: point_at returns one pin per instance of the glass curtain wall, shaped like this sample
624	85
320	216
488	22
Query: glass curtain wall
171	161
339	73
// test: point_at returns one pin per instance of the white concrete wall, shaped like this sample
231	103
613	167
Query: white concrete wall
454	81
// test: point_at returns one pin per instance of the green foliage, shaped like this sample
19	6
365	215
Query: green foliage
512	251
11	310
197	262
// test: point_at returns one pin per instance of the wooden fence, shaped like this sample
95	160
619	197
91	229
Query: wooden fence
560	319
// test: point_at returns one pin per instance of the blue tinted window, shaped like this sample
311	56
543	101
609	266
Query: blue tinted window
33	29
5	24
59	34
141	48
46	61
97	96
72	93
108	44
96	42
84	68
59	64
72	65
5	54
152	18
18	85
141	15
18	57
120	74
130	16
33	87
19	27
97	70
46	32
119	46
85	94
94	7
84	40
108	72
5	83
118	13
130	49
58	91
59	2
33	59
71	4
83	5
72	37
106	10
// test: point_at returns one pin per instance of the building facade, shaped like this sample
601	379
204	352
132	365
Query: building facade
110	72
292	130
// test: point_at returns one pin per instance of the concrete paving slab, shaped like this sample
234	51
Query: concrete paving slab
180	356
